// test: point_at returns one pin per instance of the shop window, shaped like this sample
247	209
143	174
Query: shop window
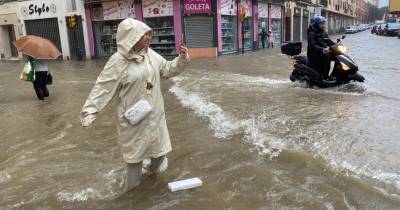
229	35
248	33
163	37
105	37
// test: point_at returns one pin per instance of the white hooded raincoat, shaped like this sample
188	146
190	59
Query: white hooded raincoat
125	76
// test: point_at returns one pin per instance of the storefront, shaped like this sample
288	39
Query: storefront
199	28
159	15
263	19
276	23
105	19
228	33
47	18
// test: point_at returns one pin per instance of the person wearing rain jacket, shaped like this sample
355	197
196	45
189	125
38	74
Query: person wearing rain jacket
133	73
318	46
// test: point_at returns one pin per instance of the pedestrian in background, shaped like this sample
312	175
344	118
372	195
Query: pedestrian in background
41	77
36	51
270	39
263	35
133	74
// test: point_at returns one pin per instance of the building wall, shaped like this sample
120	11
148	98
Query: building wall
340	14
361	11
8	16
394	6
343	7
373	2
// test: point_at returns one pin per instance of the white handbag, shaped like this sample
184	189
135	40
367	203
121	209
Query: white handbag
138	112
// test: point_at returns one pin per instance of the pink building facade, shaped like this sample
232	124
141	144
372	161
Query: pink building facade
209	27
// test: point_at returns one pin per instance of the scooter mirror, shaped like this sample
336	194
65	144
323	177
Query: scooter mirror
338	40
344	36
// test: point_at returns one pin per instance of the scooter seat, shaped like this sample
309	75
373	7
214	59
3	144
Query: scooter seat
302	60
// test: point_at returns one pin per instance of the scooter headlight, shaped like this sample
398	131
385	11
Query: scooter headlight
342	49
345	67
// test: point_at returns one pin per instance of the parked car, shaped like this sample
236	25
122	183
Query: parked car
351	29
391	29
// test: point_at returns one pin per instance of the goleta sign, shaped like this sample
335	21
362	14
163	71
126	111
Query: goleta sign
197	6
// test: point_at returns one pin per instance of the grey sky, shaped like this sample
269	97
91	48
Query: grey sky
383	3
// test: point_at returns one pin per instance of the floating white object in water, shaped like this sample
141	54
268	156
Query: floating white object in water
184	184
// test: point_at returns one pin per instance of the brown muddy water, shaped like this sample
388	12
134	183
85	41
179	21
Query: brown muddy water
256	140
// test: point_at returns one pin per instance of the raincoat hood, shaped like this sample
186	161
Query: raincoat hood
129	32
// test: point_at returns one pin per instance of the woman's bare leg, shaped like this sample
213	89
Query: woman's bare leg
133	175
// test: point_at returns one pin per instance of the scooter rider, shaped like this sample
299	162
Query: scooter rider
318	47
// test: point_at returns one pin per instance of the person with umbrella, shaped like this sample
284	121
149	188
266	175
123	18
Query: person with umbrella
38	50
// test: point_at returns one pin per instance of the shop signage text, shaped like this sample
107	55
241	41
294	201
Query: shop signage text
228	7
38	10
262	10
157	8
276	12
197	6
113	10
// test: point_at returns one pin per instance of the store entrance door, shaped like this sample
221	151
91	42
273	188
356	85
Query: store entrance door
305	27
199	31
248	33
296	28
288	32
11	35
76	41
46	28
8	37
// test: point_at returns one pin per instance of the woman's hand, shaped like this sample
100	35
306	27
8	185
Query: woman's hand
183	51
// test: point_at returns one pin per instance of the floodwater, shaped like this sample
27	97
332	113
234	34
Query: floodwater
256	140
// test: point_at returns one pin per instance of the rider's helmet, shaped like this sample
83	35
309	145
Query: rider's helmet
319	20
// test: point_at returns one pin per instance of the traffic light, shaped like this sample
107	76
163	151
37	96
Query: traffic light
71	21
243	13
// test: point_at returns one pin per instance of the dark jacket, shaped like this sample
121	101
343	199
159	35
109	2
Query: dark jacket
317	41
263	35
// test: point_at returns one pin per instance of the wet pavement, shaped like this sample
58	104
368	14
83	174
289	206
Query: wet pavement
257	140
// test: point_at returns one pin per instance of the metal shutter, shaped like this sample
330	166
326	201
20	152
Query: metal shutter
199	31
46	28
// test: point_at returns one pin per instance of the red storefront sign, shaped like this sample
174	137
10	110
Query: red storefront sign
197	6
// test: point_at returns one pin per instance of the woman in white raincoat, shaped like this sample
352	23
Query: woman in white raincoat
132	74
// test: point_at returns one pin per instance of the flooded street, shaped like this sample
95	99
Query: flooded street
257	140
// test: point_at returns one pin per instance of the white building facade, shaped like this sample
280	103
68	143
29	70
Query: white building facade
10	30
48	19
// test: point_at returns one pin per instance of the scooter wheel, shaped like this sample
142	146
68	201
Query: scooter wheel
292	78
